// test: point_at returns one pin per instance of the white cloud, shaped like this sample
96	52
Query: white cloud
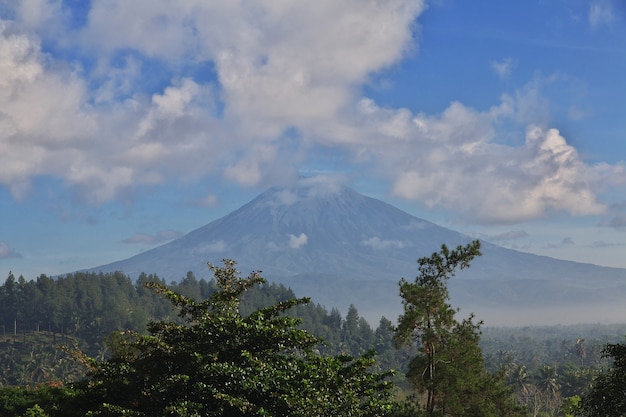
44	120
503	68
510	235
286	197
507	184
210	200
456	161
322	185
37	14
417	225
50	127
284	82
171	105
296	242
7	252
600	13
96	128
576	113
379	244
217	246
267	77
309	187
153	239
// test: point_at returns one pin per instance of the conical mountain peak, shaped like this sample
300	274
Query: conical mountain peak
327	241
309	195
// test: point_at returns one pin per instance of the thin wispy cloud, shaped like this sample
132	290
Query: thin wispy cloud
615	216
153	239
503	68
566	241
380	244
510	235
600	13
618	221
218	246
209	200
7	252
604	244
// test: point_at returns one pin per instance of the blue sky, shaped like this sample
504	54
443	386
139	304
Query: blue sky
127	123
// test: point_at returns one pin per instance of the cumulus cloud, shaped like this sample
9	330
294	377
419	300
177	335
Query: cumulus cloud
7	252
44	118
153	239
454	161
379	244
249	92
49	126
296	242
100	129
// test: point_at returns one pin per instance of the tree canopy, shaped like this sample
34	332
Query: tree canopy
549	368
448	370
219	362
608	395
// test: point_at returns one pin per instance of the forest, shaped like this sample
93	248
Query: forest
66	338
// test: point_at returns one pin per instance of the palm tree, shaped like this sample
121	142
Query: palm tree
548	383
580	351
520	380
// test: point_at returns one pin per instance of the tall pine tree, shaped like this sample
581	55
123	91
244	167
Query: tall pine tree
448	373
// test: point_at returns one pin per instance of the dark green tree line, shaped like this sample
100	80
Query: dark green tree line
220	362
440	354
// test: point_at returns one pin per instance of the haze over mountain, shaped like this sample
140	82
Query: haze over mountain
339	247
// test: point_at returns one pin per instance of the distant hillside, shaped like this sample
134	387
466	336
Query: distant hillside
340	248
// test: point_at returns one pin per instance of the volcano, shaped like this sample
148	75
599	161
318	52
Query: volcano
339	247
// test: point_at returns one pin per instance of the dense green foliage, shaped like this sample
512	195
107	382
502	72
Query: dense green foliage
42	401
448	369
81	310
86	305
217	361
549	367
608	395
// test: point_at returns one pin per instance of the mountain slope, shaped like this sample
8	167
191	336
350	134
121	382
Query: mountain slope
340	247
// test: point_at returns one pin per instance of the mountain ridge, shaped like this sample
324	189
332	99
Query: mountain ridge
340	247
